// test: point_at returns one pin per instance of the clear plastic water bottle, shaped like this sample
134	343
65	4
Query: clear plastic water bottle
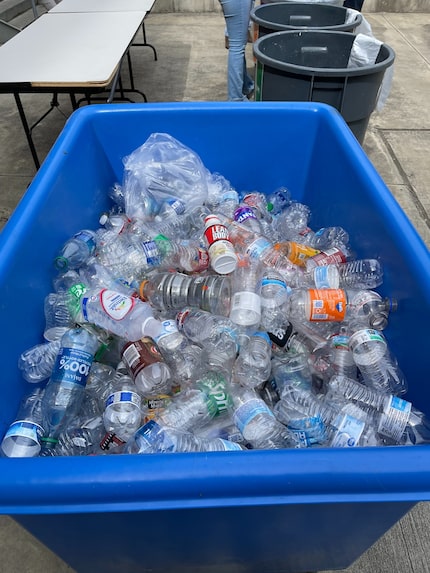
185	359
154	437
329	237
338	254
76	250
36	363
292	224
58	317
197	405
65	389
125	316
273	296
247	217
123	414
222	255
357	274
260	248
174	291
182	255
291	370
339	305
147	367
396	420
278	200
24	435
256	420
253	364
245	307
222	197
376	364
217	335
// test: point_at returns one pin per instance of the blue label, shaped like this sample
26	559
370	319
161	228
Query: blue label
152	253
86	238
72	365
243	213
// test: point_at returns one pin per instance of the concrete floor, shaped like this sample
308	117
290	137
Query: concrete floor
191	66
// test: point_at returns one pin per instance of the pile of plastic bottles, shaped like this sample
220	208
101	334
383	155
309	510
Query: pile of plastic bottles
199	318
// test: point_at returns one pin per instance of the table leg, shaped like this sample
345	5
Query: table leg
27	129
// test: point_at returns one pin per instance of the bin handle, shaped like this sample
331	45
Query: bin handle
300	20
314	49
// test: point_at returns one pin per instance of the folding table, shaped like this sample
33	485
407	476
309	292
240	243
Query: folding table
66	52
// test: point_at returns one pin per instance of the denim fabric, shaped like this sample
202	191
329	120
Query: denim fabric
236	14
355	4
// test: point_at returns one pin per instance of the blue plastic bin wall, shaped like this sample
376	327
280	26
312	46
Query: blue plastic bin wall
313	66
272	511
284	16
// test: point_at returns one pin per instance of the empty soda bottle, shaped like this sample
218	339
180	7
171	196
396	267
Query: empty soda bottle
252	366
146	366
123	414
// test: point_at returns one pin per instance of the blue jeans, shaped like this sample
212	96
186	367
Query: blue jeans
356	4
236	14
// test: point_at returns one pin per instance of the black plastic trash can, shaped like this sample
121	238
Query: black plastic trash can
312	66
284	16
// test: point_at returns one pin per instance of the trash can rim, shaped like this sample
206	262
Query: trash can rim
310	71
255	17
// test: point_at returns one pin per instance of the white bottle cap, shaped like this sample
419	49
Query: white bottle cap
225	263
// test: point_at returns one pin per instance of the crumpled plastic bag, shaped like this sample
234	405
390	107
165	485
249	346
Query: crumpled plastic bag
162	170
364	52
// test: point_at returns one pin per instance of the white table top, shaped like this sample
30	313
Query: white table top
103	6
69	49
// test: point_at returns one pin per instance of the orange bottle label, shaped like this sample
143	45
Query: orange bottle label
298	253
327	305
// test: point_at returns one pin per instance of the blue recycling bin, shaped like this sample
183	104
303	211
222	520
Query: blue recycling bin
271	511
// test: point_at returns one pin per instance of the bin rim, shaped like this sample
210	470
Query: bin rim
255	17
312	71
215	479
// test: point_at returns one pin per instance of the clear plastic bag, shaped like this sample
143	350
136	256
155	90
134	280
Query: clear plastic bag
159	172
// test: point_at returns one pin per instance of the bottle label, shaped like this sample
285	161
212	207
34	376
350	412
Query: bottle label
329	256
394	418
155	406
308	431
115	304
243	213
281	336
216	232
327	305
298	253
245	301
140	354
202	260
247	412
255	249
167	327
348	433
321	276
363	336
124	397
72	365
24	429
217	398
152	254
177	205
230	446
86	238
155	436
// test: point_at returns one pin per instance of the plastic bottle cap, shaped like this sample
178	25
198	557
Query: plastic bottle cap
142	289
224	264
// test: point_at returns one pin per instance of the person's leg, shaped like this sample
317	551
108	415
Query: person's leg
236	13
355	4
